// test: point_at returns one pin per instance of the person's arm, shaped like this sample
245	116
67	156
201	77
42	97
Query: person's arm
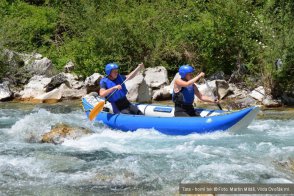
203	97
135	71
182	83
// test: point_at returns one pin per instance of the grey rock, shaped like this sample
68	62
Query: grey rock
237	92
5	93
138	90
56	81
40	67
69	67
35	87
92	82
162	94
258	93
156	77
71	93
223	88
270	102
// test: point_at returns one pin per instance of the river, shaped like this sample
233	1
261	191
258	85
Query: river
139	163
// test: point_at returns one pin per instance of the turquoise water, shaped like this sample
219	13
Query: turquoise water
144	162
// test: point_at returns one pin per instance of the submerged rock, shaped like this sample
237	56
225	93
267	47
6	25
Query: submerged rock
59	132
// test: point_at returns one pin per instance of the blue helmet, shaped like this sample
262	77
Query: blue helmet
185	69
109	67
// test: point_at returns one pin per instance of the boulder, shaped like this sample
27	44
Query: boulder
162	94
56	81
59	132
73	81
258	93
5	93
242	103
268	101
35	87
236	92
138	90
204	90
92	82
50	97
223	88
69	67
41	67
71	93
156	77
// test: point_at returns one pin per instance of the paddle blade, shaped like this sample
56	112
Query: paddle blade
96	110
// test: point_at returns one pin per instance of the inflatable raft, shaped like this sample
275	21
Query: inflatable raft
161	118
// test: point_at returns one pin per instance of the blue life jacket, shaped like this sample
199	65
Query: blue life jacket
119	94
184	96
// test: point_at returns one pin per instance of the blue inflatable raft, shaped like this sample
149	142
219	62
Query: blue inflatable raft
161	118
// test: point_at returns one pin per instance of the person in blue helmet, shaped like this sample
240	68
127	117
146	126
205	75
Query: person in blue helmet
184	91
113	81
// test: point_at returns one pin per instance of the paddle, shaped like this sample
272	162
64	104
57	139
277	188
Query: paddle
207	85
98	108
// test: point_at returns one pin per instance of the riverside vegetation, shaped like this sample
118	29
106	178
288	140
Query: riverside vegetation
250	40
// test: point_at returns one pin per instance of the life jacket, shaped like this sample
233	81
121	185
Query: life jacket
119	94
185	96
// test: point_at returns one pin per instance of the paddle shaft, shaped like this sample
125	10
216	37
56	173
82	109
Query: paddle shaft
219	106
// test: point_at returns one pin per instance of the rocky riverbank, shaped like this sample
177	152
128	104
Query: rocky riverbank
31	77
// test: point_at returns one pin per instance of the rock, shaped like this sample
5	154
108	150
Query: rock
156	77
287	165
73	81
217	76
258	93
236	92
35	87
5	93
138	90
92	82
69	67
56	81
70	93
42	67
59	132
223	88
50	97
287	99
270	102
11	58
204	90
242	103
162	94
